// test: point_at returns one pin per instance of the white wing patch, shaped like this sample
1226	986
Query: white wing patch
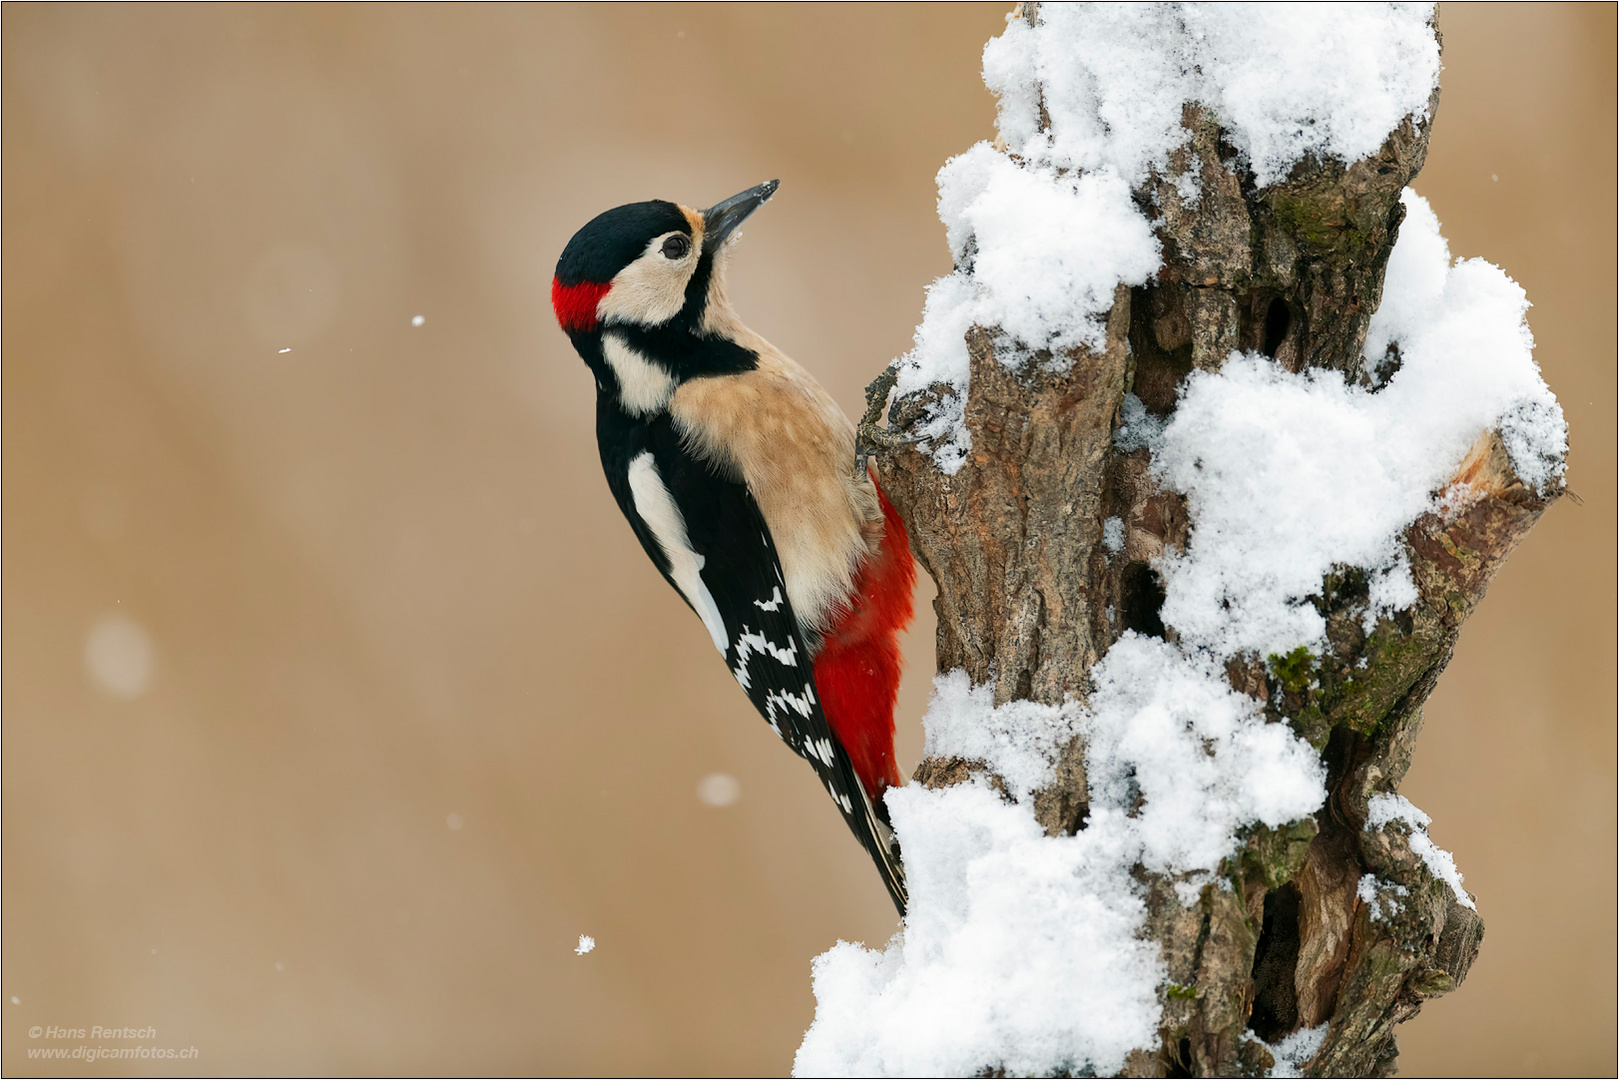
657	508
643	387
773	604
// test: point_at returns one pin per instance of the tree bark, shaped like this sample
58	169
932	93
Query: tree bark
1028	601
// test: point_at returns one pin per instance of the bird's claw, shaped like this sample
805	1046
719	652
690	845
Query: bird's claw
869	437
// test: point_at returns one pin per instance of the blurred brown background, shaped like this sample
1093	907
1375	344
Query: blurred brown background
338	698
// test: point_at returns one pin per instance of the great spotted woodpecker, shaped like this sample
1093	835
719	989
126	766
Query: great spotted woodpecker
738	473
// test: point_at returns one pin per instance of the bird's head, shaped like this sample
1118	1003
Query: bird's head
649	266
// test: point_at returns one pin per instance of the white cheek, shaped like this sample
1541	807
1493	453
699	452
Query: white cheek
643	387
649	291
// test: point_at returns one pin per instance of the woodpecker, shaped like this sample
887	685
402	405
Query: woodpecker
738	474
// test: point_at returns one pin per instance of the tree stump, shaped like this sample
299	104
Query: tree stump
1029	602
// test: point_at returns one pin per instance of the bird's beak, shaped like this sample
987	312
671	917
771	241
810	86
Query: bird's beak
721	219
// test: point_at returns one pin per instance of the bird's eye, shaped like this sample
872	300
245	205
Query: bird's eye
676	247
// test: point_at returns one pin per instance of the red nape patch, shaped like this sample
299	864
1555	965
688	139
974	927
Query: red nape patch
857	670
576	304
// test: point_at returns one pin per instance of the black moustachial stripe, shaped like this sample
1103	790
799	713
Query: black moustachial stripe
687	354
681	345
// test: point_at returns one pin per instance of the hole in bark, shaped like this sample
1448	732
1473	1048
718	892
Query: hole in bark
1277	320
1161	341
1180	1062
1143	598
1276	1005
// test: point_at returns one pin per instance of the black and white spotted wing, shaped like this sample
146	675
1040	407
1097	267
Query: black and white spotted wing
706	535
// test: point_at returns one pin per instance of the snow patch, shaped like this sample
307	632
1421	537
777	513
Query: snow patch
1021	949
1113	535
1382	897
1019	741
1285	82
1294	1050
1018	948
1290	475
1040	243
1201	756
1137	428
1461	325
1383	809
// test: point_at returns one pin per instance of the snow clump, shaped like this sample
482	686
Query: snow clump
1294	1050
1383	809
1019	948
1383	898
1018	740
1289	475
1041	243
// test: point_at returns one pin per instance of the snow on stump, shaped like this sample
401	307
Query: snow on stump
1210	448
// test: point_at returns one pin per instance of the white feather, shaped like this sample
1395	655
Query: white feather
657	508
643	387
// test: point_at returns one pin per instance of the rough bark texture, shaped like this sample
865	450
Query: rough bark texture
1029	601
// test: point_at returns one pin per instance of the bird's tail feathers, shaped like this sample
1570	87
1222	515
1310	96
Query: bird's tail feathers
883	846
